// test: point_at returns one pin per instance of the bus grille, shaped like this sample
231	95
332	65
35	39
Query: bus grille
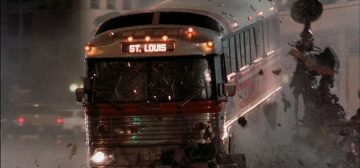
151	130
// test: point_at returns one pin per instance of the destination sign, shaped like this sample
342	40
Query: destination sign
156	47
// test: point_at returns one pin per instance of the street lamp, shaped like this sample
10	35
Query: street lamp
74	86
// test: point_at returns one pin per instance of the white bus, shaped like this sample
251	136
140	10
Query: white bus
164	85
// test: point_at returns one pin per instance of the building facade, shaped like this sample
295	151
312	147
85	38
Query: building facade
40	47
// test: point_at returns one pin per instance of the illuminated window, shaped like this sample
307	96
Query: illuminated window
110	4
94	4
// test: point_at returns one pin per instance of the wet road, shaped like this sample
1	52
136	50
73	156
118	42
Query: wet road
32	152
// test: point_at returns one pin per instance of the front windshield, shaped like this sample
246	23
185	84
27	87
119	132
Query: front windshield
150	80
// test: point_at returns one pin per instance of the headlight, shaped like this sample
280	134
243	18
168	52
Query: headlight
102	157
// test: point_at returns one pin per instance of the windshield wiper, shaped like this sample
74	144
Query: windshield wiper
115	104
101	92
191	97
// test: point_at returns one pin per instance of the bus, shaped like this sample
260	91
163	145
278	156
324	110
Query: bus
165	84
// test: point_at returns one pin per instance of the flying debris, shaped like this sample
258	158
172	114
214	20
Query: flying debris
242	121
261	72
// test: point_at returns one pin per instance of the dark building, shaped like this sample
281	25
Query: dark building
41	54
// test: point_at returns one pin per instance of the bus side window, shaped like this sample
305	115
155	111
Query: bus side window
259	40
247	46
242	49
273	36
219	74
266	35
253	44
238	51
277	30
227	60
232	54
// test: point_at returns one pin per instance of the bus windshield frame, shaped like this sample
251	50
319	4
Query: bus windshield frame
159	79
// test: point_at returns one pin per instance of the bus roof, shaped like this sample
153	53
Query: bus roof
232	15
166	18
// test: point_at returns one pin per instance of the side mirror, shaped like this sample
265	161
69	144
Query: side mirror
230	89
79	93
